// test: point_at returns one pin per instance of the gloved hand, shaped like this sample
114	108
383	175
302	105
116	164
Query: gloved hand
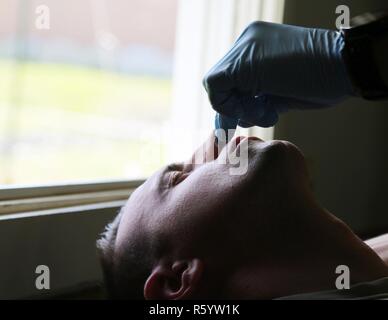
272	68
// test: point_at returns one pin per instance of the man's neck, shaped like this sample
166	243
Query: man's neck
327	244
305	255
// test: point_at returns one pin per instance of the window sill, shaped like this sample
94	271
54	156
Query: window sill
21	200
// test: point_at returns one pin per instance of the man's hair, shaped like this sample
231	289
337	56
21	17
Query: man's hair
124	276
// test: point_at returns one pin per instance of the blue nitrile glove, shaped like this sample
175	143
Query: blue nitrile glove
272	68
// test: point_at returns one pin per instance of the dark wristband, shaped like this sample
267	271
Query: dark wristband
359	55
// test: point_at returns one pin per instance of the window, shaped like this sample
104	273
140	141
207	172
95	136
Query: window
86	98
110	90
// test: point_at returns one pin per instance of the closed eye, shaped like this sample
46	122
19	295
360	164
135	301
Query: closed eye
177	177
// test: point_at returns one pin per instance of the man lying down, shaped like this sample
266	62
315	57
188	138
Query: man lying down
194	231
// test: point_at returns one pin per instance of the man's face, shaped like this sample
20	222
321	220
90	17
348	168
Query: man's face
203	210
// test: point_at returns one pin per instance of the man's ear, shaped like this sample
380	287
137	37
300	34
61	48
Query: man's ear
174	281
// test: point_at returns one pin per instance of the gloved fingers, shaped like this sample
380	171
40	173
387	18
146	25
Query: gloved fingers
220	81
263	110
247	112
227	118
258	111
244	124
218	87
268	119
233	107
283	104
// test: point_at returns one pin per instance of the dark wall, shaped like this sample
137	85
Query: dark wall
346	146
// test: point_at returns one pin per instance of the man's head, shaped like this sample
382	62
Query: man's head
196	231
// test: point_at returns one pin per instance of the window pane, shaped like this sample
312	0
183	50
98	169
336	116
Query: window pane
85	98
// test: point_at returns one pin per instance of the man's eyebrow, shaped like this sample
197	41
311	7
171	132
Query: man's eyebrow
174	167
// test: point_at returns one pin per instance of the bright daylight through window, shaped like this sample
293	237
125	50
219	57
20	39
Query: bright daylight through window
77	100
